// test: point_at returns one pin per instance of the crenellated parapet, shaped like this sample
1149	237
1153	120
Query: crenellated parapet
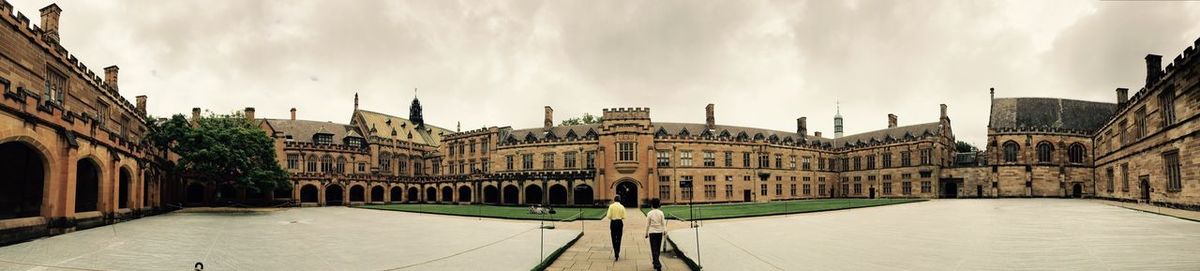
626	113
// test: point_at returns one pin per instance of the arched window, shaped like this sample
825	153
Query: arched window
1010	151
1044	149
327	163
312	163
385	162
1075	153
340	167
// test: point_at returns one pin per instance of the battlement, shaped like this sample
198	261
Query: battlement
627	113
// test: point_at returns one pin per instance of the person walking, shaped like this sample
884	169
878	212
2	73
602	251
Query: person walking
656	225
616	213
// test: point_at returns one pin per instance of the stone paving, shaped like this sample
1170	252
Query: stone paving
1178	213
594	250
965	234
326	238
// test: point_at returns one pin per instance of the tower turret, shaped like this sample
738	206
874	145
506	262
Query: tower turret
414	111
837	121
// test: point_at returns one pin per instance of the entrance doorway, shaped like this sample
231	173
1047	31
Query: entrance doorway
746	194
1077	190
950	188
629	194
871	192
1144	186
978	191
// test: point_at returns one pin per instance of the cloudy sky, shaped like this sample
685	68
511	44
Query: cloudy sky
496	63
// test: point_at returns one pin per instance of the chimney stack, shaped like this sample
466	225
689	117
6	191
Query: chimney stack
817	134
50	22
195	114
110	76
802	126
1122	96
549	121
141	104
293	113
1153	69
709	119
249	113
944	115
891	120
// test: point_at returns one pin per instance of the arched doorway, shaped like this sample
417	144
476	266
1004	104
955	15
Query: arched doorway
430	194
87	186
377	194
511	194
309	193
628	192
558	194
1077	190
357	193
871	192
584	195
413	194
195	194
333	195
397	194
464	194
226	193
533	194
124	182
447	194
491	194
23	182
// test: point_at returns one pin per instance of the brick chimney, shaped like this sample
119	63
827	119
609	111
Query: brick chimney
249	113
943	107
709	119
817	134
110	76
891	120
1153	69
293	113
195	114
50	22
549	121
1122	96
141	104
802	126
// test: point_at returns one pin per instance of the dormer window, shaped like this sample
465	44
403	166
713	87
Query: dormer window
323	138
354	142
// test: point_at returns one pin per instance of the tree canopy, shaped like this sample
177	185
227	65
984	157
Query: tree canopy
220	149
585	119
963	146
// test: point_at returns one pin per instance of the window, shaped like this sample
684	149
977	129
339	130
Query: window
484	164
906	188
887	188
764	160
926	187
483	147
548	161
820	164
1124	136
664	159
686	191
323	138
1075	153
763	189
710	159
926	156
906	158
56	85
1140	121
102	114
778	161
845	188
1043	151
685	158
778	189
312	164
805	163
906	176
1125	173
887	160
508	162
418	168
437	166
474	167
527	161
472	148
385	162
857	188
354	142
326	164
664	187
746	160
1166	100
746	178
591	159
845	163
403	165
569	160
857	163
728	159
1010	151
293	161
870	161
362	167
1172	170
340	167
710	191
709	179
821	189
626	151
728	179
807	189
728	191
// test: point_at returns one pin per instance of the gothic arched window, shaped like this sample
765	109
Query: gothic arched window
1044	149
1075	153
1010	151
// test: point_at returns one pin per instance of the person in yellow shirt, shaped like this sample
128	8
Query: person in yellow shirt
616	213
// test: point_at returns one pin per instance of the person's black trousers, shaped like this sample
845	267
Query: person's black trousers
655	247
615	226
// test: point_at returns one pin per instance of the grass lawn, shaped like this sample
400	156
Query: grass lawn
733	210
510	212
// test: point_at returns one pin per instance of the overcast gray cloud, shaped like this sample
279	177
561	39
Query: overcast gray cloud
764	63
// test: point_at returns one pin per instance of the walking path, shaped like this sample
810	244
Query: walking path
1178	213
593	251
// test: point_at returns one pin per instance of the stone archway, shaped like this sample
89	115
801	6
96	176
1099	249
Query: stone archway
414	194
377	194
464	193
87	185
447	194
333	195
1077	190
397	194
124	181
584	195
558	195
195	194
309	194
491	194
357	193
430	194
21	189
628	190
533	194
512	195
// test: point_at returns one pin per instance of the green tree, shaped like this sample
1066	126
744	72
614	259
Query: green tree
587	118
963	146
220	149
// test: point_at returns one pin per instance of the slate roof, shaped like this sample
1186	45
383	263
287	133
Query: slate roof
560	132
897	133
1049	113
402	129
696	129
303	130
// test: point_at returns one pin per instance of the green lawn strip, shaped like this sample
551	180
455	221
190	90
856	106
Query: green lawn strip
508	212
736	210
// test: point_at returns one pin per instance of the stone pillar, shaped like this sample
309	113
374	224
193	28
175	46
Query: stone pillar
709	120
892	119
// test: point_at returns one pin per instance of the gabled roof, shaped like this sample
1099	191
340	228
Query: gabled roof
898	133
1049	113
397	128
303	130
673	128
556	132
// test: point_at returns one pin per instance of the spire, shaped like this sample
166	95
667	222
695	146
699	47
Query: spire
459	127
837	120
356	101
414	111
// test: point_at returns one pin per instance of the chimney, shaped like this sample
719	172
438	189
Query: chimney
1122	96
891	120
195	114
249	113
141	104
708	117
817	134
110	76
943	106
293	113
1153	69
50	22
549	121
802	126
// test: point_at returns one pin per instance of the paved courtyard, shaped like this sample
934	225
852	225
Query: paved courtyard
330	238
1002	234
